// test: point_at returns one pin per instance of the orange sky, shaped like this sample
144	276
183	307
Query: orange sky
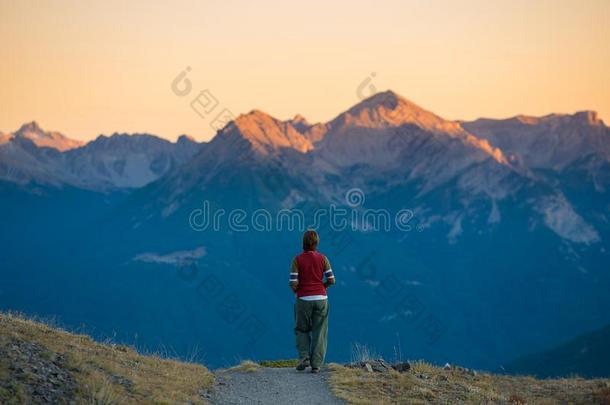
87	67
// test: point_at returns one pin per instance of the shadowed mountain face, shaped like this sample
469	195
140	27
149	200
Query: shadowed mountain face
504	250
587	355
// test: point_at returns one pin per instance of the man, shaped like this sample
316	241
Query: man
310	276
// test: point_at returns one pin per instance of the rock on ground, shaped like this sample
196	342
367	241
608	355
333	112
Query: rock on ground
41	372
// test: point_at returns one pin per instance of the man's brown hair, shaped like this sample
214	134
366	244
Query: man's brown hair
310	240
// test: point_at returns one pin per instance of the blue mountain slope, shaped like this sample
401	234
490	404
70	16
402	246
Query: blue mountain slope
585	355
501	259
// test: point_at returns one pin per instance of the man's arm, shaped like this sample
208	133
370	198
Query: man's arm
294	275
328	274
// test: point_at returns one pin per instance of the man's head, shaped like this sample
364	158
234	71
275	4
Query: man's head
310	240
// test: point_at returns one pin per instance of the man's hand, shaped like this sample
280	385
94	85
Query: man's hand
294	287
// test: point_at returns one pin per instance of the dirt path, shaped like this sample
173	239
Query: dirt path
272	386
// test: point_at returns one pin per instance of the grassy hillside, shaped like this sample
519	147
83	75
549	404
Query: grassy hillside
426	384
43	364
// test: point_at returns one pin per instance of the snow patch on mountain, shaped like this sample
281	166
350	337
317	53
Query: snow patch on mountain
494	215
292	199
456	227
388	317
174	258
561	218
170	209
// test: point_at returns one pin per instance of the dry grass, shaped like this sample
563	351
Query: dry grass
360	387
425	384
247	366
108	374
362	352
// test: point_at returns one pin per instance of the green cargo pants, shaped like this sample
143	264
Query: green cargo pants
311	330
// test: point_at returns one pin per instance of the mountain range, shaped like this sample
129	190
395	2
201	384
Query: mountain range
508	253
119	161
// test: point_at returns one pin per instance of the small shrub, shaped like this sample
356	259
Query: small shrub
362	352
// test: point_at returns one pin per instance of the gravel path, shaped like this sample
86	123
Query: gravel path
272	386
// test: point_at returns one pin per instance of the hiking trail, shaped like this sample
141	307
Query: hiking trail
272	386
